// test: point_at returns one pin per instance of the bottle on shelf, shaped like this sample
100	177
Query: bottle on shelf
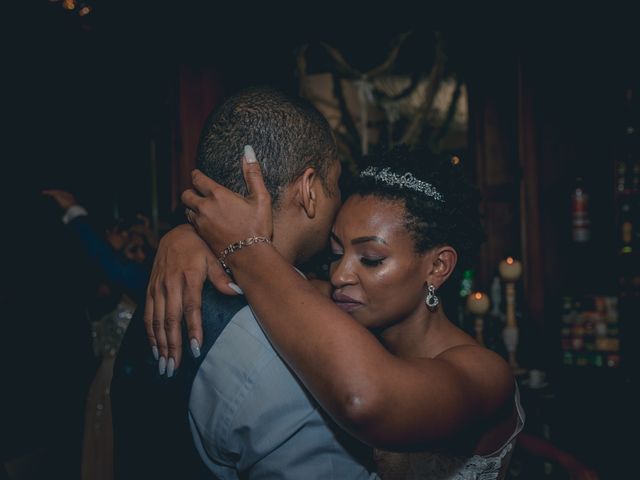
496	297
580	222
628	174
635	177
621	176
631	145
466	284
627	227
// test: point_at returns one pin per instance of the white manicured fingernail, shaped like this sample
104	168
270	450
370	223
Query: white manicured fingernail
154	350
195	347
171	367
162	365
235	288
249	154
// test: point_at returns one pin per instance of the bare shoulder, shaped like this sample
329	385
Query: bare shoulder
487	374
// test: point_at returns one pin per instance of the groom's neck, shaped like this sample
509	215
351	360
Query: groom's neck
286	241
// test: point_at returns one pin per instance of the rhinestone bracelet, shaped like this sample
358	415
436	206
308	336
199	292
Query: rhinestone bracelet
234	247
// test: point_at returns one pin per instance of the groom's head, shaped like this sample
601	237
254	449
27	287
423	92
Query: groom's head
297	151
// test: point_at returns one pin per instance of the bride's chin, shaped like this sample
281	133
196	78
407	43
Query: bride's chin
358	317
356	311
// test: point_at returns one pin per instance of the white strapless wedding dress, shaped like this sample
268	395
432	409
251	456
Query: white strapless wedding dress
443	466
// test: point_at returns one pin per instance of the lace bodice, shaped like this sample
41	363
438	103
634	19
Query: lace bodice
444	466
441	466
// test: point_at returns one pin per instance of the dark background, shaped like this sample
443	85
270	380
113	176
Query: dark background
83	97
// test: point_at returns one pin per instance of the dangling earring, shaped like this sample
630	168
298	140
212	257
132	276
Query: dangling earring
431	300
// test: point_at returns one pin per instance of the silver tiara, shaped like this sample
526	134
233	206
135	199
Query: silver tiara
406	180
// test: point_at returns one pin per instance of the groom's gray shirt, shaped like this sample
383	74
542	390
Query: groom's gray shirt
249	415
235	412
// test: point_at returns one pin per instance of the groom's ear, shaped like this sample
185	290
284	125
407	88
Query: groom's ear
306	191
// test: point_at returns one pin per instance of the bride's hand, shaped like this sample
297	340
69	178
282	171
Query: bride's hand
182	264
223	217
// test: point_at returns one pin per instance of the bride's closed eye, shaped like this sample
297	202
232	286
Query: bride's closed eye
366	261
371	262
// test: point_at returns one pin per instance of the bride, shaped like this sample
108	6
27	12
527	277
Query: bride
379	355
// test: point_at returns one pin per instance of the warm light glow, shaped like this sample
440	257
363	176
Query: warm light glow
510	269
69	4
478	303
455	160
84	11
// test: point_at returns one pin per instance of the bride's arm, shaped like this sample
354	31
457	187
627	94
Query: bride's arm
384	400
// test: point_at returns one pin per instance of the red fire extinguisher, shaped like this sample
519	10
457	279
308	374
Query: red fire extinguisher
580	223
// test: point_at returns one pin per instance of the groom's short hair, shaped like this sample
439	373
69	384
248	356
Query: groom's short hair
287	133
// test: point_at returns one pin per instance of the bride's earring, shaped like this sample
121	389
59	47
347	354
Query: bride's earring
431	300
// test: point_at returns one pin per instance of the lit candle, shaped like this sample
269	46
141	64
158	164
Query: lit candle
478	303
510	269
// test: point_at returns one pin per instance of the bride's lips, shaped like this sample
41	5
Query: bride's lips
345	302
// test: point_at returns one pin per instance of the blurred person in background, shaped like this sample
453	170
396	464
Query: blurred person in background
114	253
121	257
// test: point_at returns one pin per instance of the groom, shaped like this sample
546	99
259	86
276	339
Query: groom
234	409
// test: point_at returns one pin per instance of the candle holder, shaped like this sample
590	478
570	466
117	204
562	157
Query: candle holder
478	304
510	271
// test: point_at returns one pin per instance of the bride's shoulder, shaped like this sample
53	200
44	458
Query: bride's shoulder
482	369
473	352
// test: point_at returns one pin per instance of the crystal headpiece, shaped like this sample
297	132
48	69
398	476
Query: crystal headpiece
406	180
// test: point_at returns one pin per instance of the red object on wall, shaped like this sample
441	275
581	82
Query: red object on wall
200	90
580	223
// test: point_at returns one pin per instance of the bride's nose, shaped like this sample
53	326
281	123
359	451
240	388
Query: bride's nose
342	273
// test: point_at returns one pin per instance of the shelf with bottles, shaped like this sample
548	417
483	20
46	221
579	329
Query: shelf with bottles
628	245
628	209
590	331
627	200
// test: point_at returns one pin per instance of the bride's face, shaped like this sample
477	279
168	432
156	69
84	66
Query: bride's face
377	275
